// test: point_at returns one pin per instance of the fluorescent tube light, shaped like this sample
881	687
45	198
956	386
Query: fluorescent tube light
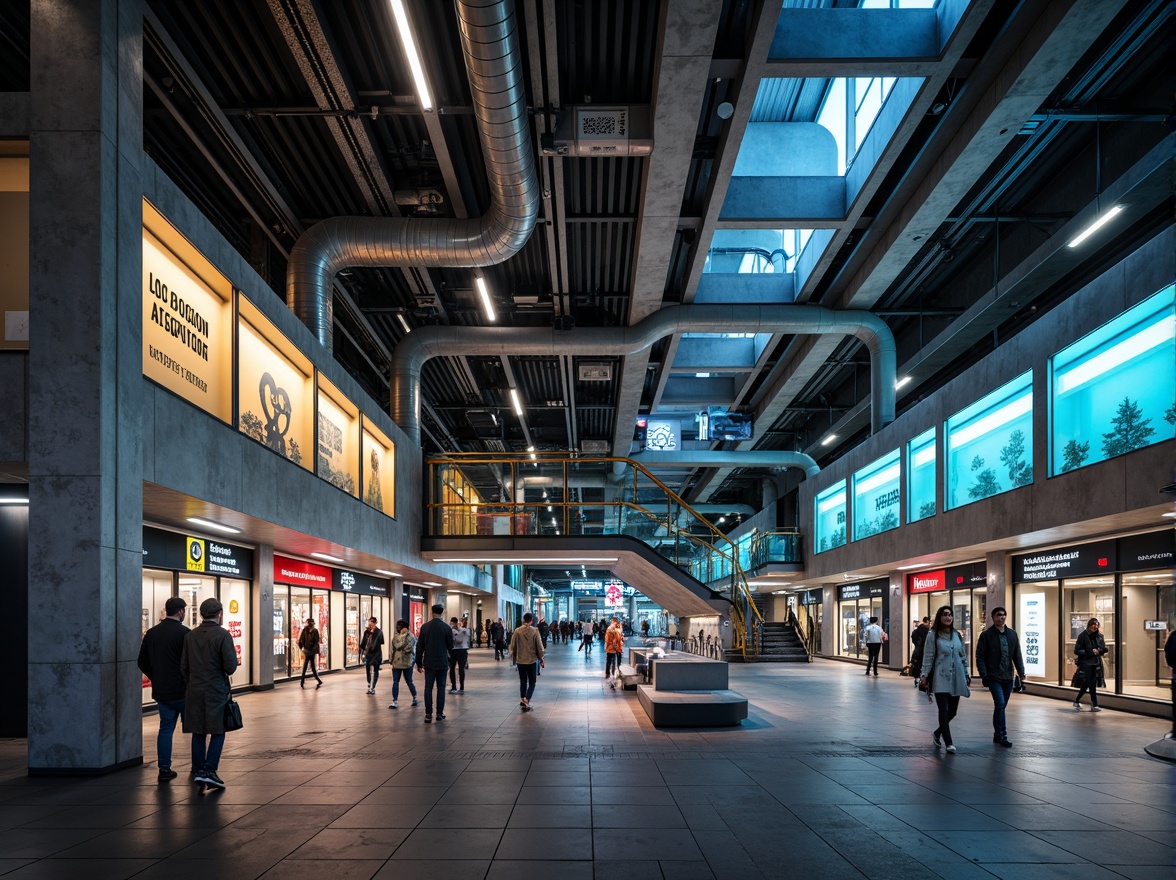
1094	227
403	322
516	403
910	567
326	556
16	502
480	282
555	560
209	524
1133	346
431	584
410	51
385	572
828	439
1011	410
903	381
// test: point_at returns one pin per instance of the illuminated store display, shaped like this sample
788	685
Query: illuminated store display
830	518
876	497
378	461
1114	390
921	476
989	445
338	439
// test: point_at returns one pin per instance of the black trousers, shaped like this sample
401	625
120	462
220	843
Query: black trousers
872	652
311	662
612	663
948	706
1089	684
459	659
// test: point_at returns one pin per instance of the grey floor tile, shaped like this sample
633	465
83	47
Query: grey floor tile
466	816
626	795
99	869
551	816
688	870
409	794
605	869
614	816
552	844
367	815
1050	872
448	869
1111	847
638	844
443	843
194	815
955	817
352	843
336	869
506	869
1037	817
1014	846
554	794
147	843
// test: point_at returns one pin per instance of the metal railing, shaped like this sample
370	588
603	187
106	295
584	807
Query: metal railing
557	494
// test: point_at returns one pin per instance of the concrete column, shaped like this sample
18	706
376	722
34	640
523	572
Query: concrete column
86	385
897	630
263	614
999	565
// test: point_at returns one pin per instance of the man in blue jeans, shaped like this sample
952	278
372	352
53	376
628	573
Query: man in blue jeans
159	660
998	663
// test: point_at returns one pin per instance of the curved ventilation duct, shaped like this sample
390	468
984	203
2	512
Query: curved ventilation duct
490	47
750	458
428	342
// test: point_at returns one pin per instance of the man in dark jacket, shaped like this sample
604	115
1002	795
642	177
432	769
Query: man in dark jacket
434	645
208	660
998	662
1170	659
159	660
919	639
371	649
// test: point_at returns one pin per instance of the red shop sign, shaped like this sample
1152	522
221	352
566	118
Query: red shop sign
928	581
299	573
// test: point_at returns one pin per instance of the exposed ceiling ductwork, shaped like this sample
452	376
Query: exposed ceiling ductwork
490	47
751	458
429	342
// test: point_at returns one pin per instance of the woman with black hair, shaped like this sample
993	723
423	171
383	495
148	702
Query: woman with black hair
1089	650
945	673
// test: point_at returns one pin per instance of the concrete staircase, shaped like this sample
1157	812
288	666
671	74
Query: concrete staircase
781	644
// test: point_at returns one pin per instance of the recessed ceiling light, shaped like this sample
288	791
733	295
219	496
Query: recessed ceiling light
385	572
909	567
326	556
209	524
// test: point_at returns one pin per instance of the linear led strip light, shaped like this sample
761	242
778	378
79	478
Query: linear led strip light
410	52
480	282
1094	227
516	402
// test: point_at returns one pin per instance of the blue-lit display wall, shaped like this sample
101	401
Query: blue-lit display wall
829	522
989	445
877	497
921	476
1114	390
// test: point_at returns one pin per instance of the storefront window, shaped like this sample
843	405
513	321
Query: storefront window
280	633
1111	391
194	590
320	599
876	497
157	589
1035	619
234	598
1149	602
829	522
989	445
353	630
299	614
1084	598
921	476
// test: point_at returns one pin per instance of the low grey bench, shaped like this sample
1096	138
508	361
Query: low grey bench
630	677
689	691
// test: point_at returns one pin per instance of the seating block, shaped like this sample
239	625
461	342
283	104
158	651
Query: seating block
724	708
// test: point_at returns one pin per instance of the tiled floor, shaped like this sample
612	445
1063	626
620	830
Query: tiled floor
833	775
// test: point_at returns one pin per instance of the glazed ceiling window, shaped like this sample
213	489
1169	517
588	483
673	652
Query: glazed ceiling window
850	107
1113	390
989	445
755	251
876	497
829	522
921	476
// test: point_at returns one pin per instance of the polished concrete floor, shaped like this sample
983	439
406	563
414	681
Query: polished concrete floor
833	775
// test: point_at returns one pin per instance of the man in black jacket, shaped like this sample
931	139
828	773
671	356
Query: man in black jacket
998	662
434	645
159	660
919	640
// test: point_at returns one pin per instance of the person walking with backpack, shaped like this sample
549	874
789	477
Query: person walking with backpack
1089	649
309	640
401	657
945	673
371	649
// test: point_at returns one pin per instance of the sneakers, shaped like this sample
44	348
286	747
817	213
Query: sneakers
1077	706
937	739
414	701
428	719
370	691
319	685
951	749
1006	743
1095	708
210	779
453	690
395	705
440	716
166	774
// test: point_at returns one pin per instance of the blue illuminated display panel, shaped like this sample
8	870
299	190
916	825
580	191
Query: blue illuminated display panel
830	518
876	497
989	445
1113	390
921	476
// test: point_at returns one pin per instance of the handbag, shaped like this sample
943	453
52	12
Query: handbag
1079	679
233	720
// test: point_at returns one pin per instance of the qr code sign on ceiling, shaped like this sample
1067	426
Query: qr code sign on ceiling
602	124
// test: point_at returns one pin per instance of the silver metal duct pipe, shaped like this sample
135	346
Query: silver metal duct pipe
428	342
769	458
490	46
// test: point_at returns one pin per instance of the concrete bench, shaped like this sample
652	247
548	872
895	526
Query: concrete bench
630	677
723	708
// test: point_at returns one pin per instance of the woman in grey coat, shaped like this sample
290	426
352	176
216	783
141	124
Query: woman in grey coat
945	671
208	660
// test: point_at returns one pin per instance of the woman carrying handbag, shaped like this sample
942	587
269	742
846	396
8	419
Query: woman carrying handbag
945	673
1089	649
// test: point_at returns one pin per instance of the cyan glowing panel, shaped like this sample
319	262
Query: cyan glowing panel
921	476
829	521
989	445
1114	390
876	497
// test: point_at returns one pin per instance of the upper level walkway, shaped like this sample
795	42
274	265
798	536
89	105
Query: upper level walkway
833	775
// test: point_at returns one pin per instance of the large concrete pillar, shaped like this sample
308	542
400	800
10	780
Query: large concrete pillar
263	615
85	386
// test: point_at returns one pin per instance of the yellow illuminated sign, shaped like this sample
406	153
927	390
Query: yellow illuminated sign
196	554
